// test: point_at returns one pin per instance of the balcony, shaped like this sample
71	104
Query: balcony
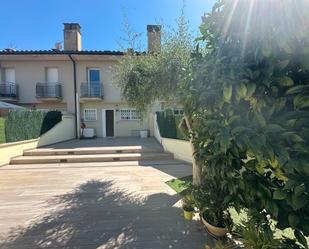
48	91
91	91
8	91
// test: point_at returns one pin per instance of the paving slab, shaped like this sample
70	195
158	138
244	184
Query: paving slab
95	205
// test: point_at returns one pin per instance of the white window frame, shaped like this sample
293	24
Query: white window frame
91	109
130	110
179	110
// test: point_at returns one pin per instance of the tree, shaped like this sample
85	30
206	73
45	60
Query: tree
251	103
145	78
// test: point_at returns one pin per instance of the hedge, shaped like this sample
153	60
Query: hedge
168	125
24	125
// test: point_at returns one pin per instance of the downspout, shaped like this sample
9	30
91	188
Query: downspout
75	98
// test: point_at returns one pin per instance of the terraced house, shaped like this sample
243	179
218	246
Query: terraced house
74	81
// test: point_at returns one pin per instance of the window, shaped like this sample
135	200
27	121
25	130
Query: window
9	75
178	112
90	114
51	75
130	114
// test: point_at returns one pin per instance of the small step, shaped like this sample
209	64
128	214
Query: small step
90	158
89	150
146	163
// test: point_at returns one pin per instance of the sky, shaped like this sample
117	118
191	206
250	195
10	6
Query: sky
38	24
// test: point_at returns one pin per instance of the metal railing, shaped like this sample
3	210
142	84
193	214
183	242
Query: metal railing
91	90
48	90
8	90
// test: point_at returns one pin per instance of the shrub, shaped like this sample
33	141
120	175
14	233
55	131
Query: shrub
252	125
169	125
24	125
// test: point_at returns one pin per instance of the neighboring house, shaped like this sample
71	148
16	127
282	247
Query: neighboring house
74	81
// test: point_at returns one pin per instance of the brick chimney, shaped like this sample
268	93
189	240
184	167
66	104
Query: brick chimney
154	38
72	37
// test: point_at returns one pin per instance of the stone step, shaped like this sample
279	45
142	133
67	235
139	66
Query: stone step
90	158
146	163
91	150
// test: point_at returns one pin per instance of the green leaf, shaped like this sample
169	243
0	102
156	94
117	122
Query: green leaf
299	190
260	119
292	137
282	64
227	93
285	81
301	101
241	90
296	89
273	128
279	194
239	129
293	220
300	201
301	238
250	89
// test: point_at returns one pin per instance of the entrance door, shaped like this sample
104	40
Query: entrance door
108	123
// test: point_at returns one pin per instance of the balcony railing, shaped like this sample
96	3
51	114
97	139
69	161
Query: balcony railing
48	90
8	90
91	90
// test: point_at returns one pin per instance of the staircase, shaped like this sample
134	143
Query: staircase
92	154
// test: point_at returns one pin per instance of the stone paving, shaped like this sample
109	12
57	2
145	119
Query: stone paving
94	205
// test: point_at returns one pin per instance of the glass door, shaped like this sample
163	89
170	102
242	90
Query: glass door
52	81
94	82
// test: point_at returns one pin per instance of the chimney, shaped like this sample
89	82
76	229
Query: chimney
72	37
154	38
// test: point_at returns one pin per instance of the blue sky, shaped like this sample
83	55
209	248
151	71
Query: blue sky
37	24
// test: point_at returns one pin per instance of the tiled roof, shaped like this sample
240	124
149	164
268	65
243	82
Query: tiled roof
54	51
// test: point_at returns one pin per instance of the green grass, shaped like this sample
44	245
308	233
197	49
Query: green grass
2	133
180	185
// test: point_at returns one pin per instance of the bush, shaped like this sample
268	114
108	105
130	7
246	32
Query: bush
2	130
24	125
169	125
252	125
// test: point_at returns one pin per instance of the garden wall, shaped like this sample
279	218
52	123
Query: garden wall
180	148
64	130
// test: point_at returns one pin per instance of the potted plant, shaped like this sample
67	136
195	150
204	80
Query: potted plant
188	207
217	222
211	202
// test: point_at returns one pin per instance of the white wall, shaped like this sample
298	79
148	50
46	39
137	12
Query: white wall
180	148
63	131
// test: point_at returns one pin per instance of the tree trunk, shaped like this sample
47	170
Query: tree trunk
196	168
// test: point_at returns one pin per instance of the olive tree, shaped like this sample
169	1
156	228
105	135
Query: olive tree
145	78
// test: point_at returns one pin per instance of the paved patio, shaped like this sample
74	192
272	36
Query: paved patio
94	205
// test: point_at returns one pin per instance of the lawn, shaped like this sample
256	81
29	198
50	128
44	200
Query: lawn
2	133
180	184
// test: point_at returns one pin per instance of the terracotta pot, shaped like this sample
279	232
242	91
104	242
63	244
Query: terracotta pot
188	215
213	230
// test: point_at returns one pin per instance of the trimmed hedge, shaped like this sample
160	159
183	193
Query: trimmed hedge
24	125
168	125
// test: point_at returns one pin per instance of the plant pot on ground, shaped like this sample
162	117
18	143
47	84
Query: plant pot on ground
216	222
210	199
188	207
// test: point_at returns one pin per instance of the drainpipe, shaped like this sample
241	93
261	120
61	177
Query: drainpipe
76	103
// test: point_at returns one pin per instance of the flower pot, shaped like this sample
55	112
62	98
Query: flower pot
213	230
188	215
144	133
